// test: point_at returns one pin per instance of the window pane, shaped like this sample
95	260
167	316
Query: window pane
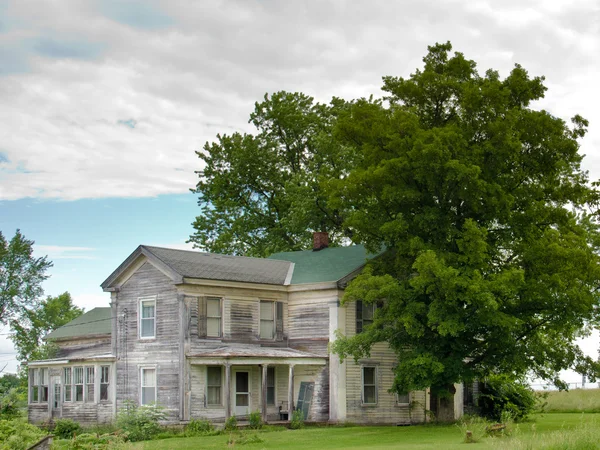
67	375
213	395
369	375
213	307
241	400
148	377
404	398
104	392
266	310
367	312
89	375
78	375
147	310
241	382
43	393
79	393
148	395
214	376
104	371
369	393
67	392
266	329
147	328
213	327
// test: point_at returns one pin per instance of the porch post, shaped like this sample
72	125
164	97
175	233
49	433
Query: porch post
226	390
264	392
291	393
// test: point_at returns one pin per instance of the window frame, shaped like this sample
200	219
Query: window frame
90	384
399	403
67	387
272	319
142	386
273	387
360	322
375	385
219	318
76	369
220	386
105	383
142	300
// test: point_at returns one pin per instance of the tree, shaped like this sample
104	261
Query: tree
34	326
491	262
265	193
21	276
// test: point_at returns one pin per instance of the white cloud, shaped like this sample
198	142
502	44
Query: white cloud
103	103
64	252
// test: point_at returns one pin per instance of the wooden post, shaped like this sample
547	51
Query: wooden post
264	392
291	393
227	391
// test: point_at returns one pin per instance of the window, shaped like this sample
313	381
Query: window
213	385
38	379
68	383
213	317
89	384
148	386
78	382
403	399
364	315
147	318
267	320
104	373
270	385
369	385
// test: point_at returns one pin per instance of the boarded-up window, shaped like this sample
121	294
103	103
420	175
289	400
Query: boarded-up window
267	320
364	315
213	385
147	317
68	383
89	384
78	382
148	386
104	382
213	317
369	385
270	385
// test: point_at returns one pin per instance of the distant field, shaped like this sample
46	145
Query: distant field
548	431
575	400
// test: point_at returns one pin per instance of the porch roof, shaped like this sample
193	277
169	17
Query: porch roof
256	355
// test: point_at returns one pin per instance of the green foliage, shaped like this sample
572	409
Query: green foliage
297	421
18	434
473	428
36	323
264	193
255	419
12	403
140	423
90	441
502	399
492	261
66	428
245	439
574	400
199	427
231	424
21	277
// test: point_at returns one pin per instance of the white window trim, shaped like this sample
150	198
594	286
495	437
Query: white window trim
274	319
220	299
152	298
108	383
141	368
86	398
399	403
215	405
362	384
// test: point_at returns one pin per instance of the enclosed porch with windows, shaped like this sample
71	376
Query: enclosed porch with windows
229	382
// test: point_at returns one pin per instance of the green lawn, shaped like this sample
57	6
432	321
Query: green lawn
542	432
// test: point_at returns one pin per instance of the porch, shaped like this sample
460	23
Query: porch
228	381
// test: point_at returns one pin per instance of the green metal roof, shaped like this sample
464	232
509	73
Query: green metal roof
328	264
91	323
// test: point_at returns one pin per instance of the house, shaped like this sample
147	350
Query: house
210	336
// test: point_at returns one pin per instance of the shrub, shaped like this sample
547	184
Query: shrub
231	424
198	428
255	419
503	398
297	421
66	428
140	423
11	403
17	434
473	428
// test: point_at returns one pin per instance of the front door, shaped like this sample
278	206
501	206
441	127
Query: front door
55	396
242	393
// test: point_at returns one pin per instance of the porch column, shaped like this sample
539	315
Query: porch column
264	392
291	393
226	391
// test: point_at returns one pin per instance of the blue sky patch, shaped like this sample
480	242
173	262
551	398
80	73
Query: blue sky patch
131	123
137	14
56	48
3	158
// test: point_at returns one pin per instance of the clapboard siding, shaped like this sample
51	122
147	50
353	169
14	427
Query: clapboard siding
241	320
84	348
386	410
161	352
319	410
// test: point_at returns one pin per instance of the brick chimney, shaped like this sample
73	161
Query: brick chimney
320	240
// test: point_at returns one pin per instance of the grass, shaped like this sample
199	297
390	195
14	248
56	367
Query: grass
547	431
576	400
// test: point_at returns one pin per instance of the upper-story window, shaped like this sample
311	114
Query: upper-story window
267	320
213	317
364	315
147	314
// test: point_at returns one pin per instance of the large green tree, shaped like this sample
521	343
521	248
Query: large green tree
31	329
479	199
263	193
21	277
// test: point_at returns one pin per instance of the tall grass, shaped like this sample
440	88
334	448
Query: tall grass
586	436
576	400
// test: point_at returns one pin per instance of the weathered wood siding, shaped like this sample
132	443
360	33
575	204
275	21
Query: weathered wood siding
84	347
387	410
162	352
308	317
319	408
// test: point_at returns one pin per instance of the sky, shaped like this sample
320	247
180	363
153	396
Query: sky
104	103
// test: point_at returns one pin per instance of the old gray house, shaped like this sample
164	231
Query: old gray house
210	336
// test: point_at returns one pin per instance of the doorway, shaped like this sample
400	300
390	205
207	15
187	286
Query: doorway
242	393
